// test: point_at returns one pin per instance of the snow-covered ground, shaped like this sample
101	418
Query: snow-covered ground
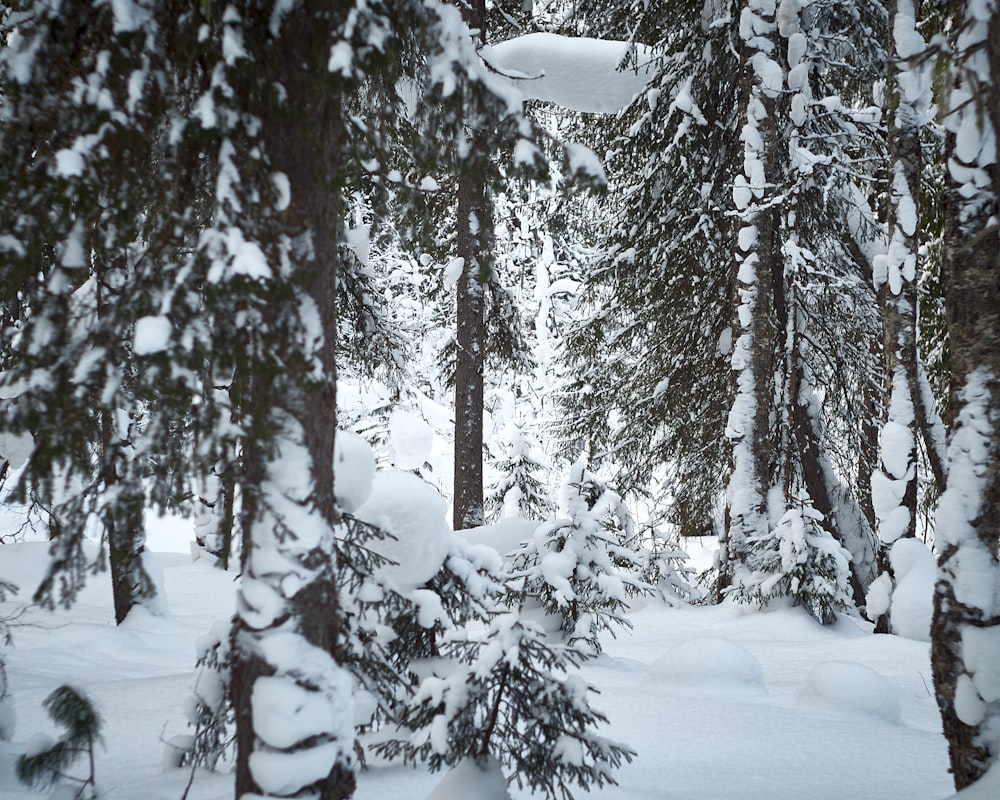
718	702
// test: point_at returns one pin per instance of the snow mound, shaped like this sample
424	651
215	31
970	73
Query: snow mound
414	513
504	536
353	470
913	598
850	688
410	439
714	664
577	73
471	781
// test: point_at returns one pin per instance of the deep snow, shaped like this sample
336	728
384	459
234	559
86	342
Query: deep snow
817	721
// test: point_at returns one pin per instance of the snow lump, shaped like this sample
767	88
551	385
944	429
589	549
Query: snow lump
414	513
712	664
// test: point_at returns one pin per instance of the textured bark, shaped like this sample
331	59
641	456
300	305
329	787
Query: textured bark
474	223
972	287
305	139
754	452
124	523
899	306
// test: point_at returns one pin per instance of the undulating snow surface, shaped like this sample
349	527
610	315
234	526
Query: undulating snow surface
591	75
818	721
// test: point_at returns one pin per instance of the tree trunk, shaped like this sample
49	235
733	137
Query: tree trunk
304	135
758	300
124	523
896	281
966	617
474	229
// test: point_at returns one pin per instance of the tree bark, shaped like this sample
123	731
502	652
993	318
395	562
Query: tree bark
474	225
968	522
897	291
303	130
758	307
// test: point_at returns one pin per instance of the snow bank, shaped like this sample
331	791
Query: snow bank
414	513
714	664
574	72
470	781
986	788
504	536
850	688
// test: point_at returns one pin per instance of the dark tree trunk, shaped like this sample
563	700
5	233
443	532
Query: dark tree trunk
898	301
304	134
124	524
474	225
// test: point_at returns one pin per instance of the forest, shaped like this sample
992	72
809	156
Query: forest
445	336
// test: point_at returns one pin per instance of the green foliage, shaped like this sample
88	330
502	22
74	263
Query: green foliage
520	489
798	560
507	696
581	569
71	709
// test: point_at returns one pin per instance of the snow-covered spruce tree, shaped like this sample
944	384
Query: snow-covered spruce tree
509	701
791	264
650	349
580	569
965	631
761	102
798	560
520	489
82	114
665	569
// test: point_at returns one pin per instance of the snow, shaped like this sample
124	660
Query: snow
414	513
470	781
283	773
764	745
285	713
708	664
584	160
504	536
353	470
986	788
915	571
577	73
849	688
152	335
410	440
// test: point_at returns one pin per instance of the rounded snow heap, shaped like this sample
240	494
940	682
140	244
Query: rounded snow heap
850	688
412	511
713	664
353	470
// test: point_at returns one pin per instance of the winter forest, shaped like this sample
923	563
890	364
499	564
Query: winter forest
484	400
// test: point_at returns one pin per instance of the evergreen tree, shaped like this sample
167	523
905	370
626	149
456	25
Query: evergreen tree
46	761
79	106
520	488
581	569
735	151
909	409
511	682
